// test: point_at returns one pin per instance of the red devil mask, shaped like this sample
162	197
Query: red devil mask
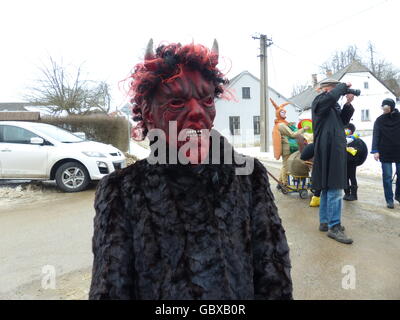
187	100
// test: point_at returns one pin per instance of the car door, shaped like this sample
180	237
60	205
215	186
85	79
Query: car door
18	157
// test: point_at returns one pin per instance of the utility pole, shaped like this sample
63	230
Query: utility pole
264	124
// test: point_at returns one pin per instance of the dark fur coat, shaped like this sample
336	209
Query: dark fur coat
188	232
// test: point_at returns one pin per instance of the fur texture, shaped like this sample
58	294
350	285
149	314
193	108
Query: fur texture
188	232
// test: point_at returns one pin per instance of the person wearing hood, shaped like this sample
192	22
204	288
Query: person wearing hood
386	148
357	152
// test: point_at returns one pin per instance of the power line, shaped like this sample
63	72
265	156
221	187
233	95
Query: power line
297	56
302	58
344	19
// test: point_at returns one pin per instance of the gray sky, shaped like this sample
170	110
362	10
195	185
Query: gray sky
109	37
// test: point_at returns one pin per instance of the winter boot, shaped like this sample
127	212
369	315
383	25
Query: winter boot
314	201
390	205
323	227
346	194
353	193
337	233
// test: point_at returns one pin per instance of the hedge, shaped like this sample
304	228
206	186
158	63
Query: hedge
100	128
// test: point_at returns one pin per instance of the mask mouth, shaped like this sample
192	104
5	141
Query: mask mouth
189	134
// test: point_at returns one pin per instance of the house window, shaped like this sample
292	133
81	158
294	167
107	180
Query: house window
366	85
365	115
246	92
234	125
256	124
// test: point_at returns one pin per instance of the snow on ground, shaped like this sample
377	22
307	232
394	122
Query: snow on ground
369	167
33	191
12	192
140	150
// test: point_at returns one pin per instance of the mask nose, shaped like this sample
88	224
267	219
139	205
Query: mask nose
196	111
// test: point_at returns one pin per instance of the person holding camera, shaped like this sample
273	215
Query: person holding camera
386	148
330	159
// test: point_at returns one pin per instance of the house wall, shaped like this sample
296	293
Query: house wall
246	109
370	99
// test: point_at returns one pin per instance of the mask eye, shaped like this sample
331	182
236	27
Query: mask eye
177	103
209	101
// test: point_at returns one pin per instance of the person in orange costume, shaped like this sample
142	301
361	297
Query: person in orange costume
281	133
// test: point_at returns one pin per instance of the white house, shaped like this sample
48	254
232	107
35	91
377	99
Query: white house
239	120
367	106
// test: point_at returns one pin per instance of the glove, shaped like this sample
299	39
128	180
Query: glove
352	151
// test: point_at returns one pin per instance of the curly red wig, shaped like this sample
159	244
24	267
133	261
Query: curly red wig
165	65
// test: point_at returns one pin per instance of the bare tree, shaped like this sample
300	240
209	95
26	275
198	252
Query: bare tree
62	90
299	89
384	71
340	60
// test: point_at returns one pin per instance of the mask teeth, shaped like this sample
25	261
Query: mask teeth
192	132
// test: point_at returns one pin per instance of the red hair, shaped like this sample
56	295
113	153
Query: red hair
164	66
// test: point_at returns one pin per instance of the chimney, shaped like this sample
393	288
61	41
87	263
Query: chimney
329	73
314	80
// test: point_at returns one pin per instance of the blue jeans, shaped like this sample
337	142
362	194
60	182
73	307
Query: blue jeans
387	180
330	207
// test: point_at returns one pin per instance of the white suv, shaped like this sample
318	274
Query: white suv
38	151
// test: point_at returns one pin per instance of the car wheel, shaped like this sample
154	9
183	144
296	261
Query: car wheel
72	177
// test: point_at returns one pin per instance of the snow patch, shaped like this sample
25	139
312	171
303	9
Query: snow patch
369	167
140	150
25	193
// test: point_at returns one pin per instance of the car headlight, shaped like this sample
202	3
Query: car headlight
93	154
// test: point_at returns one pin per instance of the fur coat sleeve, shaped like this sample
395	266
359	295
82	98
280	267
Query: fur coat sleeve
112	245
271	260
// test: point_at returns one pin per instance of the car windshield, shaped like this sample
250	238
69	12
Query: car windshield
59	134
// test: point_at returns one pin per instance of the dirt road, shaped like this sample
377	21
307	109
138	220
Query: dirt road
53	231
57	231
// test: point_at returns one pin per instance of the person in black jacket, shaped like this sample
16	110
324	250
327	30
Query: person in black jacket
329	167
386	148
183	229
357	152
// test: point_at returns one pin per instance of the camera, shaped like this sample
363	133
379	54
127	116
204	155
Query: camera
356	92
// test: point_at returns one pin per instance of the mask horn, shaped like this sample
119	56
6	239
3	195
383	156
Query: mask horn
149	51
215	50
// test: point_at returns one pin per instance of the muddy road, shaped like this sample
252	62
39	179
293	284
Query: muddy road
45	229
55	229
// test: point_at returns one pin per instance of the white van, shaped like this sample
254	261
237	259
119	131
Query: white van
38	151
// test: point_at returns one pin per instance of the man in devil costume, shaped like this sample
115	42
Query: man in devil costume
186	229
